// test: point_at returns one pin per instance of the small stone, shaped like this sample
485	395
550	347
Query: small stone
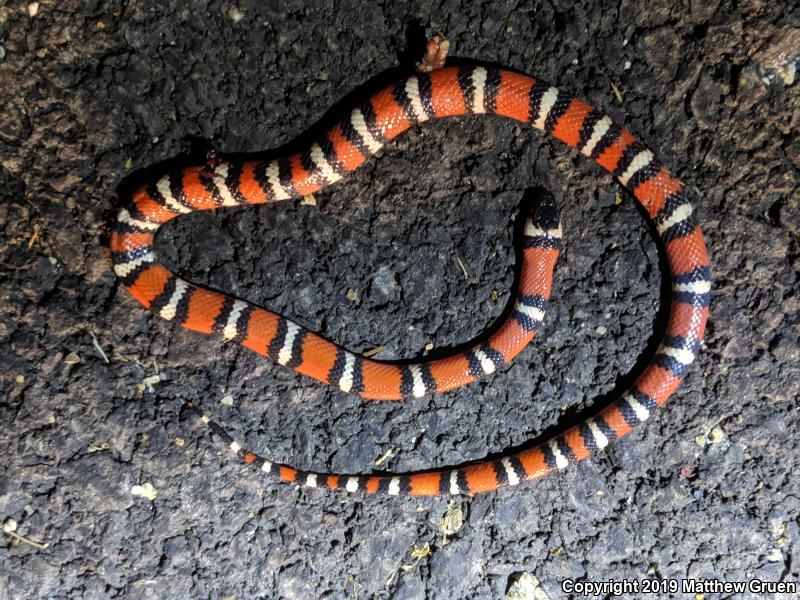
605	198
352	295
384	284
788	73
601	330
627	65
657	51
65	182
180	442
227	400
2	53
20	379
33	8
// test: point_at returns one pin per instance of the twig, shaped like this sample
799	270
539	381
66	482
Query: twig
97	347
373	351
9	528
463	268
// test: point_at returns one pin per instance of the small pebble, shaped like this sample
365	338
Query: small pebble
2	53
601	330
33	8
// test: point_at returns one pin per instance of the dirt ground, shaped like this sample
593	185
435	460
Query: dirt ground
93	93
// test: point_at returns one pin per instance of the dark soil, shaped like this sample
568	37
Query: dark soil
95	92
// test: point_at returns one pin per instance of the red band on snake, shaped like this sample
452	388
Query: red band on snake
353	140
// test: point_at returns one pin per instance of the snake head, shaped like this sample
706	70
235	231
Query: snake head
545	212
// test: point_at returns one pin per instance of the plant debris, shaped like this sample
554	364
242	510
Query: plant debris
384	457
373	351
526	587
10	529
417	553
145	490
452	520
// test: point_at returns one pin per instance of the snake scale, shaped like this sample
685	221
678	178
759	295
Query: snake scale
359	134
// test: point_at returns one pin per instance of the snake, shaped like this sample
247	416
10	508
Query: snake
351	141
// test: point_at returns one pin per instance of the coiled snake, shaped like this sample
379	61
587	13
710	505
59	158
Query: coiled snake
445	92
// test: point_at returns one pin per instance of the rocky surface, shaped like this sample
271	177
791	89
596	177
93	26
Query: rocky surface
95	93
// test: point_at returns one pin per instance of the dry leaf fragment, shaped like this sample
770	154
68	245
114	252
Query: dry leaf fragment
716	435
463	268
35	236
145	490
386	456
98	348
10	528
373	351
526	587
417	553
617	92
452	520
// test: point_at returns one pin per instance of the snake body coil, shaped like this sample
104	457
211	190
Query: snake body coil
356	137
